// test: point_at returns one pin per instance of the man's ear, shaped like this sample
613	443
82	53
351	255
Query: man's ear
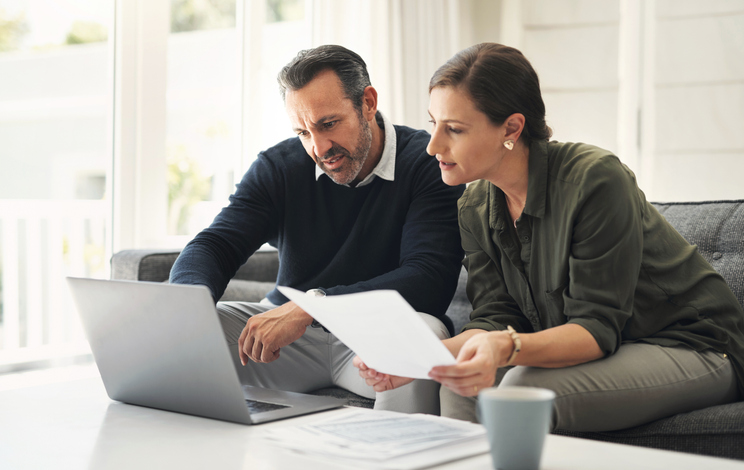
514	125
369	103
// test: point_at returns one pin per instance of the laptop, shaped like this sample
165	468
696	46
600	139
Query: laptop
162	346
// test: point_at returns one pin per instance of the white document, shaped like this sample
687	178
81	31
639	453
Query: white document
362	438
380	327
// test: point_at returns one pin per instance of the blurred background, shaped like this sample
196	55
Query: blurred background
126	123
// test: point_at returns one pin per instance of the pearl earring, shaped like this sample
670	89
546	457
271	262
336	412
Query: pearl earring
509	144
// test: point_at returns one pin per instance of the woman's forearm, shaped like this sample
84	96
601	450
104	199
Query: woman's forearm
560	346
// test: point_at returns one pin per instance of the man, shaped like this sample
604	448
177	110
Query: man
368	210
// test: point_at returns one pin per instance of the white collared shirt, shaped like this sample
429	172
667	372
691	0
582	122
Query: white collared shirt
385	168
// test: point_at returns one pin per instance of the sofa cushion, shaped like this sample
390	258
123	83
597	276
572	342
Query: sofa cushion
246	291
262	266
717	228
460	308
717	431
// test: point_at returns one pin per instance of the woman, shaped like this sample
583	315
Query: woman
575	279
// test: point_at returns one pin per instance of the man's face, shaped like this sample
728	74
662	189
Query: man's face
333	132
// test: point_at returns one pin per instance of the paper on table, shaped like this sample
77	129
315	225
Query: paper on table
362	438
380	327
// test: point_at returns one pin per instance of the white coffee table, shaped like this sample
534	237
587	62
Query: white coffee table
75	425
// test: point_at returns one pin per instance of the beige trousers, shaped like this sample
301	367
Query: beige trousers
319	360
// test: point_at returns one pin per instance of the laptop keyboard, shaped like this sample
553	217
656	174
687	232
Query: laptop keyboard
255	406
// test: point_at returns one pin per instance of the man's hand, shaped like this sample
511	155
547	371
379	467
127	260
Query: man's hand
266	333
379	382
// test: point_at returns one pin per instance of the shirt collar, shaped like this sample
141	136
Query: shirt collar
537	182
385	168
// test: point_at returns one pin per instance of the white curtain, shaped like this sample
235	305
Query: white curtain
402	41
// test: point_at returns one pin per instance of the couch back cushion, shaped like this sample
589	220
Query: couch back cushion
262	266
717	228
460	308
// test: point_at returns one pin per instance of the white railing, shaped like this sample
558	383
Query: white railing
42	242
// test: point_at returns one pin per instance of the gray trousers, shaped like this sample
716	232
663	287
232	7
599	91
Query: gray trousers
638	384
319	360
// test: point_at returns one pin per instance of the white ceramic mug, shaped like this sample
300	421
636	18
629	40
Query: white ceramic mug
517	420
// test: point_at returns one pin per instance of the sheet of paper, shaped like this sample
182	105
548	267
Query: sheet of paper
364	438
380	327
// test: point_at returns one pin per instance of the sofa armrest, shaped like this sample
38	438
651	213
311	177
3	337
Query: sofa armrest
155	265
143	265
251	283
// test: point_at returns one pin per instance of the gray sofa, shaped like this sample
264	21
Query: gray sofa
716	227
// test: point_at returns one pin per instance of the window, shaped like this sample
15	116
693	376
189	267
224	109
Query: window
122	140
203	111
205	81
55	95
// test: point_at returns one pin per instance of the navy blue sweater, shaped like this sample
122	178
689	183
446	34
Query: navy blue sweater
400	235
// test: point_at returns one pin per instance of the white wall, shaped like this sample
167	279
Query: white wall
698	97
659	82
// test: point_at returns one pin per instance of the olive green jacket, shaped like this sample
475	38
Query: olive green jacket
589	249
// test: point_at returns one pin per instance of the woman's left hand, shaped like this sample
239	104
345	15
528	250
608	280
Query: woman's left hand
378	381
477	362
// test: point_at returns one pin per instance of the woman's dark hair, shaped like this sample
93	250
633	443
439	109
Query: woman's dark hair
348	66
501	82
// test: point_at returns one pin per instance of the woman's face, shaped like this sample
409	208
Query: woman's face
465	142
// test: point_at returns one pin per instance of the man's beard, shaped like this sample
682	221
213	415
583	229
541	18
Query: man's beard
353	163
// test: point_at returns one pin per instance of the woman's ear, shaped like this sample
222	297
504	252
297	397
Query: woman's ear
514	125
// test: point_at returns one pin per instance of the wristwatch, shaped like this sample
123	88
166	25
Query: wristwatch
316	293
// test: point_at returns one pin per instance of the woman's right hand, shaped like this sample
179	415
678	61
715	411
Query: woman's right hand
477	361
378	381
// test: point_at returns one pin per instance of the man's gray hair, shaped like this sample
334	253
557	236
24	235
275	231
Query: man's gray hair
348	66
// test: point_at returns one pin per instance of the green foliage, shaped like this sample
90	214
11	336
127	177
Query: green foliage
196	15
12	30
186	187
284	10
83	32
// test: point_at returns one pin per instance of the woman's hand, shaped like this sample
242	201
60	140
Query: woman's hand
378	381
477	361
481	353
